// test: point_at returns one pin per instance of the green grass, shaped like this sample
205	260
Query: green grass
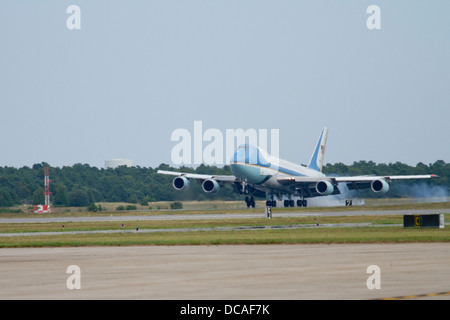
195	223
224	207
298	236
384	232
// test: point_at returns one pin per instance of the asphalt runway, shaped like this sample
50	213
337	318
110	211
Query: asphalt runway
180	216
255	272
280	272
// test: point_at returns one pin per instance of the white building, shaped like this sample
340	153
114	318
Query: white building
114	163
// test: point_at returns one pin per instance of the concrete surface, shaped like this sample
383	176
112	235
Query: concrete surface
336	271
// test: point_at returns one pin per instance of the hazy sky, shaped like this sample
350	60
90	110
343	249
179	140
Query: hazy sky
138	70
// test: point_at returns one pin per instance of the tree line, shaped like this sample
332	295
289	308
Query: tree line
81	185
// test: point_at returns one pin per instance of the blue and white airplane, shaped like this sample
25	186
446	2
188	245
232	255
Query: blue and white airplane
256	173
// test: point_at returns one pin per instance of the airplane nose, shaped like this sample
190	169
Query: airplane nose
241	154
249	154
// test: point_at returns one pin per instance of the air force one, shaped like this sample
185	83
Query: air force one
258	174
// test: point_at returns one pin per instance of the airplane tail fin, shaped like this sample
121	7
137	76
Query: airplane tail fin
316	161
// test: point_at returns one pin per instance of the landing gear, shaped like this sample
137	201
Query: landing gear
288	203
250	202
302	203
271	203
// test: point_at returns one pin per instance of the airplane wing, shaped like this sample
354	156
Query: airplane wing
219	178
377	183
309	187
210	183
321	186
370	178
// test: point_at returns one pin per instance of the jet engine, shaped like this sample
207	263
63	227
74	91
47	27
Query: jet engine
180	183
379	186
324	188
210	186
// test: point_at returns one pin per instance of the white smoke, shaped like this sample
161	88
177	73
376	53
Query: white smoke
337	200
423	192
420	192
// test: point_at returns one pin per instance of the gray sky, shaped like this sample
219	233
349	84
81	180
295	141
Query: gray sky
138	70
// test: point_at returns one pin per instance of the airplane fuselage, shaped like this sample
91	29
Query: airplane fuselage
254	166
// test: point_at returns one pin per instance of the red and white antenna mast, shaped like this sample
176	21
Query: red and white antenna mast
47	181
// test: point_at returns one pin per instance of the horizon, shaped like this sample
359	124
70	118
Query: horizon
216	166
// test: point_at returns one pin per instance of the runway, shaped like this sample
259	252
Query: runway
243	215
255	272
302	226
62	220
226	272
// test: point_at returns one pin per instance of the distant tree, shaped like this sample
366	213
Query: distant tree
132	198
94	208
61	197
38	196
78	198
5	199
176	205
82	184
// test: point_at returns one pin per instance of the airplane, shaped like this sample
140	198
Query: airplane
258	174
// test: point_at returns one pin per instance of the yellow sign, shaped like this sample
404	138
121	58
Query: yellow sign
417	221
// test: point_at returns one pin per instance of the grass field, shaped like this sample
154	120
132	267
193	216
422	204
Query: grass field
205	207
304	236
384	229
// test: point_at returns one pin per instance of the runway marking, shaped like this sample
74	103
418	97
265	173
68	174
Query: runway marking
417	296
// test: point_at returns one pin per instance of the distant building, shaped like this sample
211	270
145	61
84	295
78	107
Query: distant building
114	163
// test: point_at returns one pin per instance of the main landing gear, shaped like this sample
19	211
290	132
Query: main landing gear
287	203
271	202
302	203
250	202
